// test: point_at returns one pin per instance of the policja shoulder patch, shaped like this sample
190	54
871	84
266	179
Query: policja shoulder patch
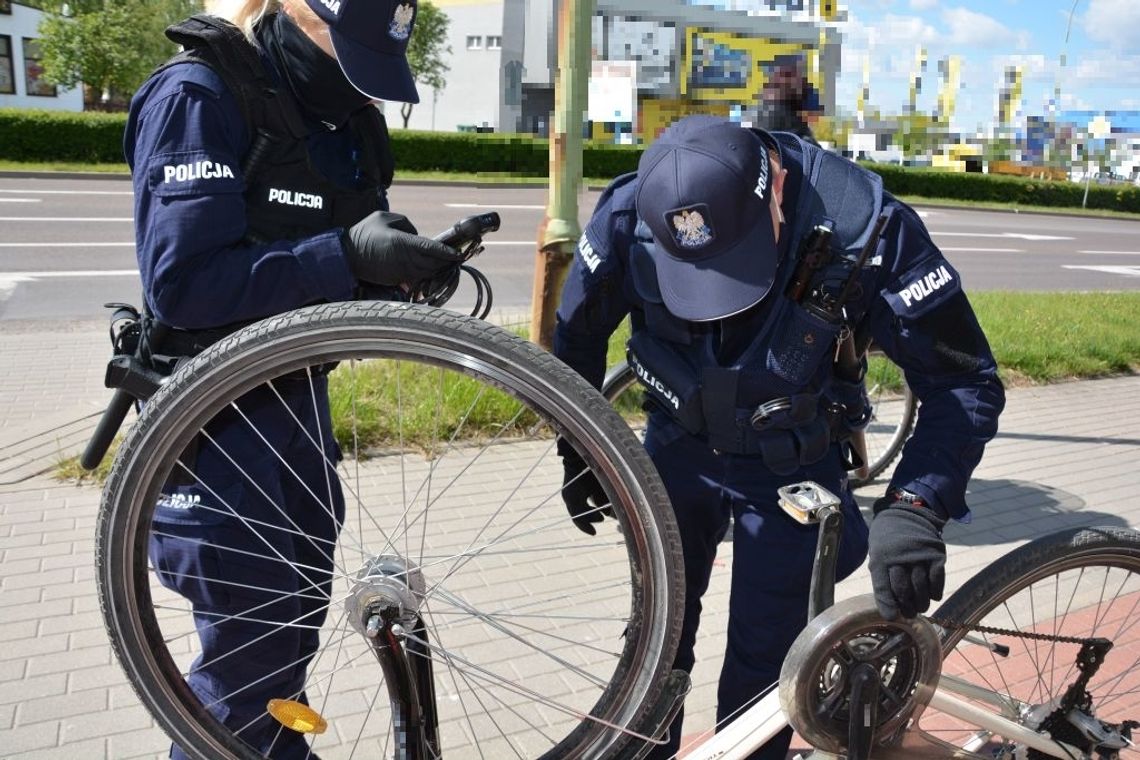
192	173
923	287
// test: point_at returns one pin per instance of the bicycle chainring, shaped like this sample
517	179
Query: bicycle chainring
815	681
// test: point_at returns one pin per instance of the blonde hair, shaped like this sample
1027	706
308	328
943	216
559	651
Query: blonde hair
245	14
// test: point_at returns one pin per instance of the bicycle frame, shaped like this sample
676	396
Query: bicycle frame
808	503
765	719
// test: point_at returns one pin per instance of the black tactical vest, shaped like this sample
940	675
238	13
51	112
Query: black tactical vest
286	197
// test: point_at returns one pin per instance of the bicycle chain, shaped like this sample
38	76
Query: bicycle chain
952	625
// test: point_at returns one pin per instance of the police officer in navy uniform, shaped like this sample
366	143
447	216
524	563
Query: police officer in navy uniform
260	165
704	248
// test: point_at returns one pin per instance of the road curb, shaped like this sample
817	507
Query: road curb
1065	212
20	174
488	185
589	186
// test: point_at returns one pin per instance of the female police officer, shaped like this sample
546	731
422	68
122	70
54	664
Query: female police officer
259	165
735	252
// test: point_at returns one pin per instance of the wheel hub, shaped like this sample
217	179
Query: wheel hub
386	582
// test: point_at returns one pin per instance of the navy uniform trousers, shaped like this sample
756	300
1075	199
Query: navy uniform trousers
771	565
249	541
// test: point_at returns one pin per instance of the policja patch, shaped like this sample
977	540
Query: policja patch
191	173
922	288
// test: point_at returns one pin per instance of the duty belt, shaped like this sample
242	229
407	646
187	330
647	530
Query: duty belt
785	431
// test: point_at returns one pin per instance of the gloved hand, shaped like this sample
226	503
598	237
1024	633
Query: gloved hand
581	492
384	249
907	557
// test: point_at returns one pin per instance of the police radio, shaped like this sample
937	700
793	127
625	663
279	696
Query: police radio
815	253
824	302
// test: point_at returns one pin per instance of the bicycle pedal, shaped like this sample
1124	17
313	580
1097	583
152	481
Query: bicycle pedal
807	501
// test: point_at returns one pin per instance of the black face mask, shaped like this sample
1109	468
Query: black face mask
314	76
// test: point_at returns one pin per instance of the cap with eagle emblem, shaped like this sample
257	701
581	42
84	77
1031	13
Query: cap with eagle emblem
371	42
704	189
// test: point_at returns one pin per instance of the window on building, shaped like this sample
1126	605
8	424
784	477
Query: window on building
34	83
6	6
474	42
7	73
494	42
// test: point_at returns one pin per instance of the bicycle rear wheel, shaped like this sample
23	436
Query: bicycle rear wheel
543	642
621	389
894	412
1079	583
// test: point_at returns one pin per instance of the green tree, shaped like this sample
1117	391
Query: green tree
427	50
918	134
833	130
109	45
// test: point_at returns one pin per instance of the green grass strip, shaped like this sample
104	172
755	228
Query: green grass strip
1046	337
1036	338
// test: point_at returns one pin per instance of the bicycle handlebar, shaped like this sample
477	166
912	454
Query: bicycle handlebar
121	403
469	229
104	434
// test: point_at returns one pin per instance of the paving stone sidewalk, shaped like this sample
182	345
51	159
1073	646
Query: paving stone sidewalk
1068	454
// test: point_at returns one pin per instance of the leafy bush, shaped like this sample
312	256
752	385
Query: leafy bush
928	183
520	154
469	152
32	135
98	138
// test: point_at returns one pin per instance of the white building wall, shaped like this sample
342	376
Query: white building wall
24	23
474	90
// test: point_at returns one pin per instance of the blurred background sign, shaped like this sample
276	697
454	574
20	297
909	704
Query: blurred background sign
613	92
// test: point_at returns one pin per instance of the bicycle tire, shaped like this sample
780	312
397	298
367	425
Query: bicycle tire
619	380
893	417
1080	582
634	642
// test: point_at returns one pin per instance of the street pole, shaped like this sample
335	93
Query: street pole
1057	87
559	232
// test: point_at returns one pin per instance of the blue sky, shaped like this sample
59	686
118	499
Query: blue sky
1102	70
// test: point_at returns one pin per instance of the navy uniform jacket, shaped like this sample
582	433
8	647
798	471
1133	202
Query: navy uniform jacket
918	315
185	141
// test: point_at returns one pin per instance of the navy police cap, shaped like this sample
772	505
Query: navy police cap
371	40
704	190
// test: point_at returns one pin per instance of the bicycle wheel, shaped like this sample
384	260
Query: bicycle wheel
894	412
622	390
1079	583
543	642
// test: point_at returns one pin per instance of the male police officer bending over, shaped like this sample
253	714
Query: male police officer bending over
735	252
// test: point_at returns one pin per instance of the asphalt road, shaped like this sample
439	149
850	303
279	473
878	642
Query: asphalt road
66	245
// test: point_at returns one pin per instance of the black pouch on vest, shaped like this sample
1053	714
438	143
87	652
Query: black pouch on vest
671	383
799	343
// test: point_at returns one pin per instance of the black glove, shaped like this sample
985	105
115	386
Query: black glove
582	493
907	557
384	249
